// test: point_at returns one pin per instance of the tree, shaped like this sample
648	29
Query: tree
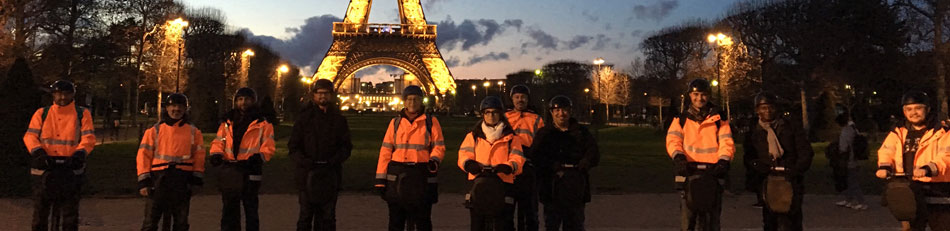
610	87
934	13
674	55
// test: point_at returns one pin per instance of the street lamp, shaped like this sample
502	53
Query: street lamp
721	41
283	69
590	113
179	24
473	90
486	85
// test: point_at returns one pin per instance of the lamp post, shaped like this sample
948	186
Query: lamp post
721	41
180	25
600	61
283	69
473	90
590	114
486	85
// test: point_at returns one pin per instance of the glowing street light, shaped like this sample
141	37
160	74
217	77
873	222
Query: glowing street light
599	61
486	85
248	52
178	25
715	83
473	90
537	72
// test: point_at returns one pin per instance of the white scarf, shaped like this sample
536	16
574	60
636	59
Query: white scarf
493	133
775	148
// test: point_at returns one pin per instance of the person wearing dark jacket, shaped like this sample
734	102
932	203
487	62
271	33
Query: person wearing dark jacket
565	152
776	147
319	144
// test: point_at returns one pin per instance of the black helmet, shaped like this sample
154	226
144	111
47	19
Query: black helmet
520	88
765	98
413	90
698	85
915	97
63	85
560	101
177	98
321	84
492	102
246	92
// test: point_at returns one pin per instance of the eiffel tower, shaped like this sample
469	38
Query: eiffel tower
409	45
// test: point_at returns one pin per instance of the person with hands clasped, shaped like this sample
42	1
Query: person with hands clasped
408	163
319	144
170	164
492	156
778	149
244	141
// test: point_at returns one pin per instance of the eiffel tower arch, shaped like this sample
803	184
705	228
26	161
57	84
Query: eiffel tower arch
409	45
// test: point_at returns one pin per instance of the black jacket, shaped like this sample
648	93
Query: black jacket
319	138
553	148
798	152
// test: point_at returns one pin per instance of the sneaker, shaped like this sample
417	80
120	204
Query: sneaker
843	203
858	206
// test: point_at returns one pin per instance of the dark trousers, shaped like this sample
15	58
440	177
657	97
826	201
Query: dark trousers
176	211
570	217
787	221
314	217
498	222
526	200
939	217
232	202
705	221
63	209
402	219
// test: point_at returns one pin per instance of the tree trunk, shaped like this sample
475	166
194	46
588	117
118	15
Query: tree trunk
805	123
938	58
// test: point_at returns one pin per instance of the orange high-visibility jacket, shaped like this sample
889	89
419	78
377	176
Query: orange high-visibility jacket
172	144
409	143
701	142
506	150
932	151
61	134
259	138
525	124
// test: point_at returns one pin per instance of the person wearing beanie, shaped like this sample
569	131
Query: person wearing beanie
319	145
244	141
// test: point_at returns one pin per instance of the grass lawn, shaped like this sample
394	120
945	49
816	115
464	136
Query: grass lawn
633	160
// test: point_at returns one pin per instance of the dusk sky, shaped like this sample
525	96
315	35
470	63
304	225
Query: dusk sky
477	38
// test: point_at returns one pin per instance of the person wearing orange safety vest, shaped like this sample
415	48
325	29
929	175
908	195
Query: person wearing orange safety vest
59	138
245	140
918	149
525	123
409	159
492	156
170	166
701	145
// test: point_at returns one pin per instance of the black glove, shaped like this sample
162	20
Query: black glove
380	187
473	167
680	165
145	183
762	166
216	160
504	169
195	180
721	168
433	165
40	160
77	161
583	165
256	160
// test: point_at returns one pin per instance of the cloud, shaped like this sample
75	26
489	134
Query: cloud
578	41
541	39
453	61
516	23
636	33
587	14
307	46
469	33
601	41
489	57
656	11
